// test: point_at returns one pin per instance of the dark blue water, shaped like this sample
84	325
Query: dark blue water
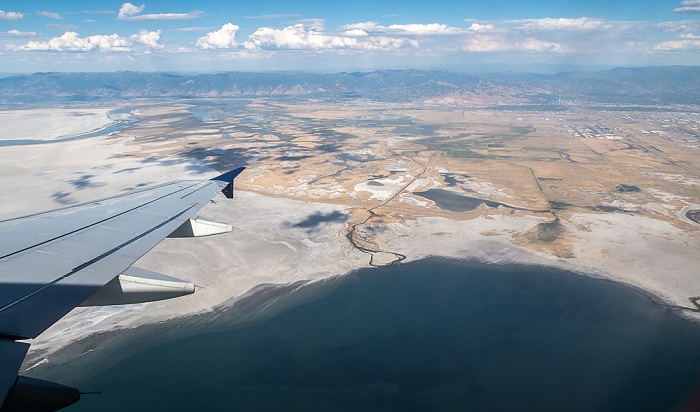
433	335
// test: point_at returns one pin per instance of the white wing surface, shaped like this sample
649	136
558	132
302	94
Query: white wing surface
53	261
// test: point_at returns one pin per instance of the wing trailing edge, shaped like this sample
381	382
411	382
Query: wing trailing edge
51	262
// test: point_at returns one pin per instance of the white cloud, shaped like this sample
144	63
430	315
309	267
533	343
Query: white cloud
50	15
356	33
17	33
423	29
387	43
301	37
129	11
10	15
688	41
168	16
148	38
532	44
71	42
97	11
224	38
481	27
484	43
687	10
682	25
296	37
688	7
678	45
550	24
312	24
371	27
188	29
493	43
368	26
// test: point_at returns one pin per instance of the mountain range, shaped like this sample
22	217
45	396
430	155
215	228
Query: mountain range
650	85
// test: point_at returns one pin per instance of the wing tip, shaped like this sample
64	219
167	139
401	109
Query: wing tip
230	175
227	178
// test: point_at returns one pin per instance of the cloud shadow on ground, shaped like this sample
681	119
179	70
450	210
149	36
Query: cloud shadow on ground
312	222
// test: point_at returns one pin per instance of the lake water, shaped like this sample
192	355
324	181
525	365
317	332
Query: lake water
432	335
114	127
454	202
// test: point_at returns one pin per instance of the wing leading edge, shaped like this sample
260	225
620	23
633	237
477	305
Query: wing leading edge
53	261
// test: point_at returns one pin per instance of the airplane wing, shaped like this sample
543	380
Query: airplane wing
81	255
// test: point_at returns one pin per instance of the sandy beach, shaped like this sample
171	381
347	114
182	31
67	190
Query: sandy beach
284	241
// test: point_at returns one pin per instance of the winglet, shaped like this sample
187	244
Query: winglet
228	179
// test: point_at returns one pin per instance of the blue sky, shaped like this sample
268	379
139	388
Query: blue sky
323	35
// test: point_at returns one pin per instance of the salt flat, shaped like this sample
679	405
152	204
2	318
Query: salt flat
299	201
41	124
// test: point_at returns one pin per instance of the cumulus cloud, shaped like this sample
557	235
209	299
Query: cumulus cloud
688	7
149	39
50	15
70	41
366	27
481	27
10	15
423	29
17	33
301	37
684	41
296	37
388	43
129	11
356	33
224	38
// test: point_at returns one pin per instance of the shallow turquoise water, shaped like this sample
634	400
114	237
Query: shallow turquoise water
433	335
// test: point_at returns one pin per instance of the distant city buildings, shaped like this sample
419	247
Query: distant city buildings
675	126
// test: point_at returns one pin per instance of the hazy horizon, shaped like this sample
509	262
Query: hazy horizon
489	69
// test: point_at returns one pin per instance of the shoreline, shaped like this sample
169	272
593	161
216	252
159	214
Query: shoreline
285	236
257	235
101	350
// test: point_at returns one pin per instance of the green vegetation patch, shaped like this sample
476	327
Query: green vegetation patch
550	232
522	130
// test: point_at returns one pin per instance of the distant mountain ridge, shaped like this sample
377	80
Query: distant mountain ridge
651	85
